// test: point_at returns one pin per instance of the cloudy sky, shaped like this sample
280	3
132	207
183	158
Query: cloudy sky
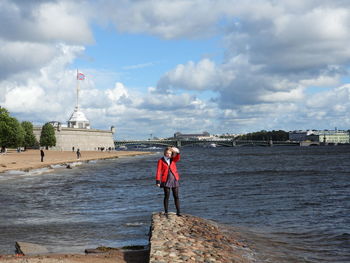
162	66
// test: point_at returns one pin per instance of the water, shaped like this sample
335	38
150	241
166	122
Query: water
290	204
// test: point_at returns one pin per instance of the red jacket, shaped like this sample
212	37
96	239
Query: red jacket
163	169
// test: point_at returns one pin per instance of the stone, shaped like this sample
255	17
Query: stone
192	239
29	249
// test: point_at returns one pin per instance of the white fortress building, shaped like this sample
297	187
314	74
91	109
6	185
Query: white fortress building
77	133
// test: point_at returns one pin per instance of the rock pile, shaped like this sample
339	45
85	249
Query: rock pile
192	239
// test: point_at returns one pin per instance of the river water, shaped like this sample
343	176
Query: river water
290	204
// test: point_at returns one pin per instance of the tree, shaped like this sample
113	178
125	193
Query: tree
47	136
11	132
266	135
29	137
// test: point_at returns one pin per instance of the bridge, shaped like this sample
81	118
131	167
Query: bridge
182	143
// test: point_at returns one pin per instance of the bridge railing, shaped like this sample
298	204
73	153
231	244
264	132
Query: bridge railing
181	143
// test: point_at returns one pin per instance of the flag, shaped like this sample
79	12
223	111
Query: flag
80	76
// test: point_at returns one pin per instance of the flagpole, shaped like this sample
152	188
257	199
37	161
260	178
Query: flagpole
78	89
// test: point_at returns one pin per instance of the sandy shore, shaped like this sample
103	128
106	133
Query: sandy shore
30	159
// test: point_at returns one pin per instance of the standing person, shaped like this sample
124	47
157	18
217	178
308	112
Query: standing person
42	154
78	154
168	177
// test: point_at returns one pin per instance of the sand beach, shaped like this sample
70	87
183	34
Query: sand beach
30	159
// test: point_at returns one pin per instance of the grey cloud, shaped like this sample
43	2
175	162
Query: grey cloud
44	21
201	76
17	57
32	30
167	19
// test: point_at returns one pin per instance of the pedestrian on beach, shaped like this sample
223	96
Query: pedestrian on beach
78	154
73	148
167	177
42	154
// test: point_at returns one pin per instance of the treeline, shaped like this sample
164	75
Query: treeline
14	134
263	135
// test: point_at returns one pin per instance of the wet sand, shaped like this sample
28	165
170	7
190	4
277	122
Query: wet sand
30	159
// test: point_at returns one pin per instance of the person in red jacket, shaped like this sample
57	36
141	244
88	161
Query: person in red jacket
168	177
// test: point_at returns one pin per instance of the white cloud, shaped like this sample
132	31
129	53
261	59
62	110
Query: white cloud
17	57
118	92
296	94
72	27
49	90
139	66
336	98
17	98
204	75
321	81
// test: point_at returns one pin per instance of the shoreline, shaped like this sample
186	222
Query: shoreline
116	256
171	239
30	159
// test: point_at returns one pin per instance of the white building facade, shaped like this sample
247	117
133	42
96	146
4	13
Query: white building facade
325	136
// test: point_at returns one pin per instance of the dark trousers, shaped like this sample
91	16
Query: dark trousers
176	198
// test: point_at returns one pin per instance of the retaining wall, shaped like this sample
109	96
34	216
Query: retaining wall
84	139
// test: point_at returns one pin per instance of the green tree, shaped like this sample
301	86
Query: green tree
47	136
266	135
29	137
11	132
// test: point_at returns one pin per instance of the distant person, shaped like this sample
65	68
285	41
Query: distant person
42	154
3	150
167	177
78	154
73	148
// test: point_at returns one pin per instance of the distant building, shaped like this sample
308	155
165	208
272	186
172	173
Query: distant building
333	136
77	134
230	135
325	136
192	136
299	136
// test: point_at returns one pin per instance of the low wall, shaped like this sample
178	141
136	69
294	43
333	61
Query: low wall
84	139
192	239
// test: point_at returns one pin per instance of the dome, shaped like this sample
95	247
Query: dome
78	115
78	120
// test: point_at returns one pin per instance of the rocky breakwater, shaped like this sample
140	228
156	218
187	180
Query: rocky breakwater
191	239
